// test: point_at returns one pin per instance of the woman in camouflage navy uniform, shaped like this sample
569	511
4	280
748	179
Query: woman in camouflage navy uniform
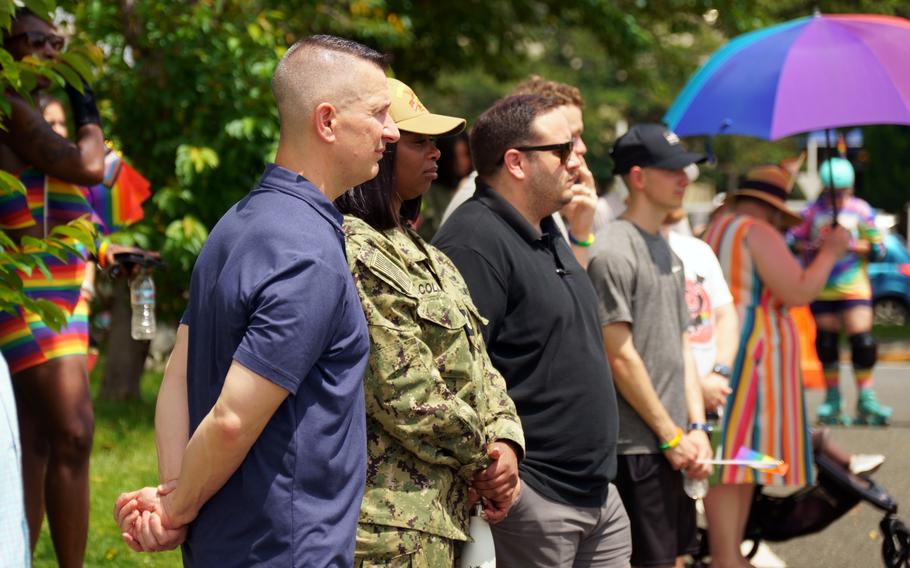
439	421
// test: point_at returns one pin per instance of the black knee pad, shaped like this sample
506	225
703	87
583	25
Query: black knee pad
864	350
826	347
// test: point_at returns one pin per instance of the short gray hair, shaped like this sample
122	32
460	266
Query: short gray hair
310	70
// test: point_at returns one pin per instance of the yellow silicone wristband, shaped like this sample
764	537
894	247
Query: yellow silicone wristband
672	443
585	243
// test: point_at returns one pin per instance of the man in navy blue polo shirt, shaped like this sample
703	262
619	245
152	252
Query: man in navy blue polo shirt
267	467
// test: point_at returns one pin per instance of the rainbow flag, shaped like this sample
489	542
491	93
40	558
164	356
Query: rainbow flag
841	145
117	201
774	466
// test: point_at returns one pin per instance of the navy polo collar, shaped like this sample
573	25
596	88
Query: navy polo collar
284	180
499	205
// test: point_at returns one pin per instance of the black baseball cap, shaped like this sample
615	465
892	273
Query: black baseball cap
651	146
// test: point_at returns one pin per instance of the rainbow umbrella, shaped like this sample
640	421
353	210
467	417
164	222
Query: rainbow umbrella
813	73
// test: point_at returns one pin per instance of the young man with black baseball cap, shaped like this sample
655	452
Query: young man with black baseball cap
641	286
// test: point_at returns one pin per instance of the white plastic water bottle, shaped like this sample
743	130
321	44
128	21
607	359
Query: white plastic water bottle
142	298
480	551
695	488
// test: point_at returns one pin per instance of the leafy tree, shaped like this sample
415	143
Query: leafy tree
190	104
886	174
187	84
185	92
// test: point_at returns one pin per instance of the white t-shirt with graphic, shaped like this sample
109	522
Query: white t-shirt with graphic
706	290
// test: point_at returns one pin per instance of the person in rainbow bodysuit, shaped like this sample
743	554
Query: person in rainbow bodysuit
62	179
845	303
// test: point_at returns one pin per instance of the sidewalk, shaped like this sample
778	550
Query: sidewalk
889	351
894	350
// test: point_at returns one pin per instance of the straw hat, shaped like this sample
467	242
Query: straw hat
771	184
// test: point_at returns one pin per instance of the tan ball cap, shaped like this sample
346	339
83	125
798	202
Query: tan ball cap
410	115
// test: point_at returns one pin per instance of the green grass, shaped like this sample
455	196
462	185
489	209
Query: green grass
123	459
886	332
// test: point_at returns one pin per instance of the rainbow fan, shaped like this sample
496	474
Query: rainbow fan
750	458
763	461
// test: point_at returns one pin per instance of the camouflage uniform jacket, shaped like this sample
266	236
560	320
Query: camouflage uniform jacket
433	398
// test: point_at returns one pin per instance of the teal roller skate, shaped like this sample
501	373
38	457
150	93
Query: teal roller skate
869	411
829	412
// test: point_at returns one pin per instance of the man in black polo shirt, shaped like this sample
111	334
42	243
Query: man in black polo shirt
544	337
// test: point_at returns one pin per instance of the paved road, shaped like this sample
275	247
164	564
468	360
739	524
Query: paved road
854	540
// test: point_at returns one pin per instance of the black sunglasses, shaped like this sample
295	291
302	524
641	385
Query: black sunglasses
37	40
564	149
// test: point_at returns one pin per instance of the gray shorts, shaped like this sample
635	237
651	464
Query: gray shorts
545	534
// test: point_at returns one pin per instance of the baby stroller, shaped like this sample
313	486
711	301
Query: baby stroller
812	508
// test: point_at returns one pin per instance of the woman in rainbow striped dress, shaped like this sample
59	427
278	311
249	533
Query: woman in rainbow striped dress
765	410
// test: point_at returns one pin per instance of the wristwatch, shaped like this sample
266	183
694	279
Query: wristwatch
722	370
704	427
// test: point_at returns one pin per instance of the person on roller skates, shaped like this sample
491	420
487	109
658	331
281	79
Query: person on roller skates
845	303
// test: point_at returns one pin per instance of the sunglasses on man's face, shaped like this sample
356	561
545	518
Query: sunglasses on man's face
563	150
37	40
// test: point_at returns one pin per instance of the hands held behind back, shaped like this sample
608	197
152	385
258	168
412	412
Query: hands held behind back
498	484
144	522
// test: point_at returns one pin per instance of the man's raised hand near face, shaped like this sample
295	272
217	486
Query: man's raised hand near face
580	211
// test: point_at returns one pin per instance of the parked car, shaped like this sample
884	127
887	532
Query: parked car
891	283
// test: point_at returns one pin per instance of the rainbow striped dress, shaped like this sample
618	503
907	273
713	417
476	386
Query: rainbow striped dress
766	411
25	340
